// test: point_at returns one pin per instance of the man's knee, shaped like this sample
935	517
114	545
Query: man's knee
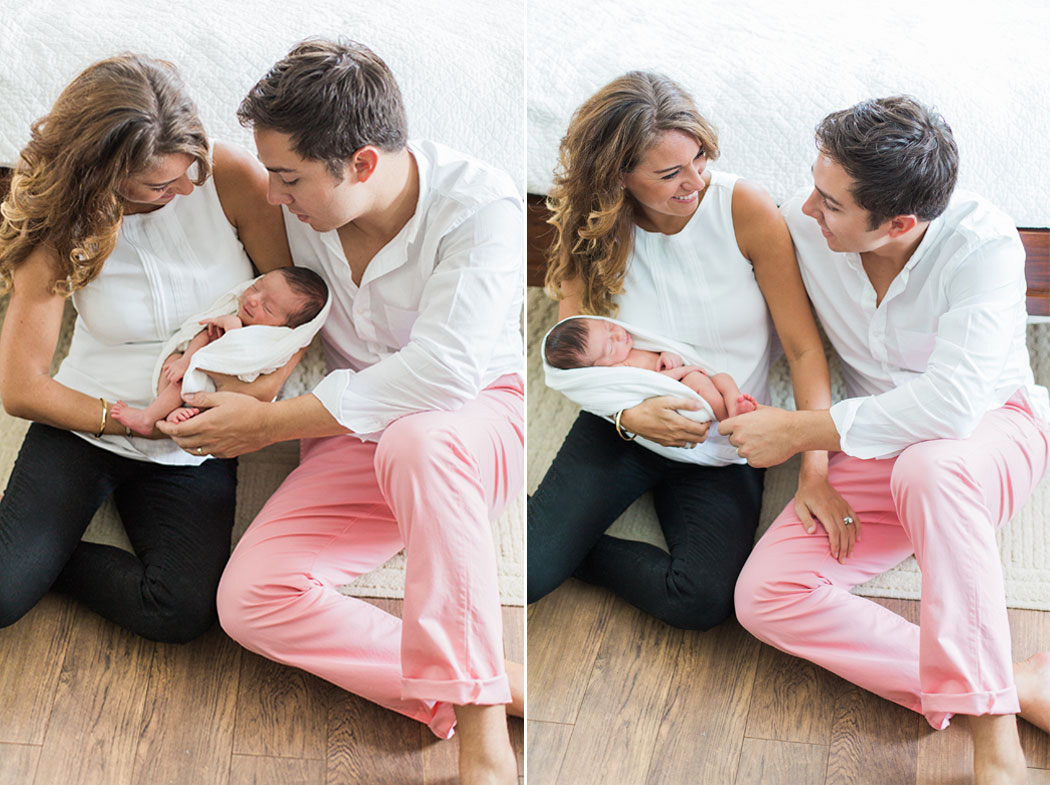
416	442
929	469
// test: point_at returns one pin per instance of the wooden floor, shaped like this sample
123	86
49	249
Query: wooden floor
618	697
84	702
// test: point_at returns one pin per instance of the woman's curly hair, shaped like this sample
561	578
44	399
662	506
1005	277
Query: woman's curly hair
118	118
592	213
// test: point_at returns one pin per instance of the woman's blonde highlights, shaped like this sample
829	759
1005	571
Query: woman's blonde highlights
118	118
592	213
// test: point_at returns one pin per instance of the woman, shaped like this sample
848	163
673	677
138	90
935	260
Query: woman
112	205
646	232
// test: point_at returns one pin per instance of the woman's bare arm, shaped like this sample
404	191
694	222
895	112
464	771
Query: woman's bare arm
27	346
241	183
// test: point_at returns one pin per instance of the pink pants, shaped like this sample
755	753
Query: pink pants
432	486
942	500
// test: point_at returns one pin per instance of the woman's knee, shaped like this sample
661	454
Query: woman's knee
698	608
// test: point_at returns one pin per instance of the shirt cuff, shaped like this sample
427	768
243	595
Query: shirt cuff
842	414
334	393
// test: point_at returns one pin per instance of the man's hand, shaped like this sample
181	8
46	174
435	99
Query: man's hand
816	501
657	420
234	424
765	437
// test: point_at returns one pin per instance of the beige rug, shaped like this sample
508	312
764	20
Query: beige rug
1025	543
258	476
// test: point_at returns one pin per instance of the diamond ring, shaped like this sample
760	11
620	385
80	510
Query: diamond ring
847	521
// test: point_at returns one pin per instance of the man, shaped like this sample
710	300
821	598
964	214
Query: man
415	437
942	438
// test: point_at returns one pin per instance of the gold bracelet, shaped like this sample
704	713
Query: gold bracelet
620	430
105	416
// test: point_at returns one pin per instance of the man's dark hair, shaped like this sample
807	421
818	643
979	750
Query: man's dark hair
900	153
566	344
332	98
309	285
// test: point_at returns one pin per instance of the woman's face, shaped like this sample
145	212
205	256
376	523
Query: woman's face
156	186
668	180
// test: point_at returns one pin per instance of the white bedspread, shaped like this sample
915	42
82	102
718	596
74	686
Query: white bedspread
766	71
459	64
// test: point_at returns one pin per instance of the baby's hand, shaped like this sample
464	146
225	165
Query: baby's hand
218	325
669	360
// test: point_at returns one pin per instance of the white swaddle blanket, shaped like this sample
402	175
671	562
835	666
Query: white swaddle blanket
604	390
246	353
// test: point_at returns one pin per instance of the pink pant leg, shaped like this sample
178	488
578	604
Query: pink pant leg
951	496
446	476
794	596
327	524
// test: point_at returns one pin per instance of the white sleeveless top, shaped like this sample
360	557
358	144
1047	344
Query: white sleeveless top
696	287
167	265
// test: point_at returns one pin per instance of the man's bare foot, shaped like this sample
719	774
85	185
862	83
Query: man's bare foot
485	754
130	417
742	405
182	414
1033	689
516	677
997	755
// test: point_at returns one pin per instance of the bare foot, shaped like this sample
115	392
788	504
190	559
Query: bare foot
1033	689
997	755
516	677
485	754
744	404
130	417
182	414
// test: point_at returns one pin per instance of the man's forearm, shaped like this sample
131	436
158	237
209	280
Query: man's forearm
813	430
303	417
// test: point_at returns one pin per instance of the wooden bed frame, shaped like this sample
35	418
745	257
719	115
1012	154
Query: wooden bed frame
1036	243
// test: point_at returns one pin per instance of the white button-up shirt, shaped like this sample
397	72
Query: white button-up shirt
946	345
436	318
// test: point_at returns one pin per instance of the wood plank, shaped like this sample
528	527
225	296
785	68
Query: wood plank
1037	269
710	692
945	756
794	699
622	710
18	762
367	743
566	629
281	711
264	770
548	742
32	650
99	705
873	741
766	762
1038	776
540	235
187	729
1030	633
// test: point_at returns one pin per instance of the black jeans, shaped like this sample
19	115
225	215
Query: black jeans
708	516
178	519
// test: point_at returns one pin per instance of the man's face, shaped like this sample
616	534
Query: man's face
842	221
306	186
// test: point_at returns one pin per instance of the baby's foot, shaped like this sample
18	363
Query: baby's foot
130	417
182	414
744	404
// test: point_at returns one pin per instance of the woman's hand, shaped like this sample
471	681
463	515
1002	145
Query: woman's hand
816	501
658	420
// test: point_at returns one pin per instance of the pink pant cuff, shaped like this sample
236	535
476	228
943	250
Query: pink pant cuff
443	721
459	692
1002	701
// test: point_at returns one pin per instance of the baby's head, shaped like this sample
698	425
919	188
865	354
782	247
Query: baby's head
286	297
584	342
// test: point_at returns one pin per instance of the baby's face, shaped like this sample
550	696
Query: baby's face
268	301
607	343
